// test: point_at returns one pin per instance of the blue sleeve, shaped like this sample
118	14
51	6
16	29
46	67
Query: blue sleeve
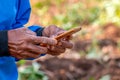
37	29
23	13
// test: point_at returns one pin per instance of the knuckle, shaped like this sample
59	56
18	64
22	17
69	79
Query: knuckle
49	41
43	40
25	46
29	38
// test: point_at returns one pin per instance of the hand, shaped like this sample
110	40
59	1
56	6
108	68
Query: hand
24	43
63	44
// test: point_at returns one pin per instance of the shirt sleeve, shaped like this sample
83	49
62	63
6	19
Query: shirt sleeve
22	17
37	29
4	51
23	13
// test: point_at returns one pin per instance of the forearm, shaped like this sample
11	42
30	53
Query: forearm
4	44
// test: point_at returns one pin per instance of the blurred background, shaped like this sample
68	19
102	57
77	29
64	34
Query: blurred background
96	51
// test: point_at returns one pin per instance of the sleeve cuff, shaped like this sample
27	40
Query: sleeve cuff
37	29
4	51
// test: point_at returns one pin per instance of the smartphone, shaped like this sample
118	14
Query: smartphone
68	33
65	34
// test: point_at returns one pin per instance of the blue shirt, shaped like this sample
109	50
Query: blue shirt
13	14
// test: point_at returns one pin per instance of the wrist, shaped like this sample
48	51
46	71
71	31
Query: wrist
40	31
37	29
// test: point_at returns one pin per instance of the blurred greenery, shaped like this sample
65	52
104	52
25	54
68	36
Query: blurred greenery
106	77
69	14
110	12
66	14
32	73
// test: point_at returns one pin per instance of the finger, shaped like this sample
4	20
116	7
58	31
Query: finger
57	49
17	55
26	55
59	32
53	53
12	46
17	52
54	28
68	38
30	55
44	40
66	44
20	57
36	49
18	43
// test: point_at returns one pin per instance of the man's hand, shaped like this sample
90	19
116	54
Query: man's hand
24	43
52	31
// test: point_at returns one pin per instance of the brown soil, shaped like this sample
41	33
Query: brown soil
81	69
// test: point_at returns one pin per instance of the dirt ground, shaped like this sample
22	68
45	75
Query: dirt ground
80	69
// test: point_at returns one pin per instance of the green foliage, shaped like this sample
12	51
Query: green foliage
91	78
67	15
106	77
21	62
110	12
32	73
